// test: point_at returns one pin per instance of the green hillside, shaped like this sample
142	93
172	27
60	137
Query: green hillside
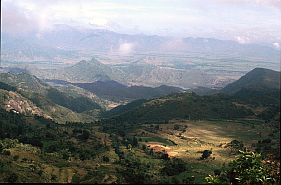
258	78
114	90
60	106
183	106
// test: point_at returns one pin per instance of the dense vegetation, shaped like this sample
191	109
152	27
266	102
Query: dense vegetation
7	87
248	168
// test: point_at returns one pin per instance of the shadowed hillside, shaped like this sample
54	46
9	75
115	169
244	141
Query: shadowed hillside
258	78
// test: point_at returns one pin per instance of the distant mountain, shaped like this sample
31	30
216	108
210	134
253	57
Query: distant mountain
83	71
65	41
30	47
131	74
258	78
116	91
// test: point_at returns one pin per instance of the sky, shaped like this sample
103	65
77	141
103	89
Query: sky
245	21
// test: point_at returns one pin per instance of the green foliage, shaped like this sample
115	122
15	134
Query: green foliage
174	166
214	179
7	87
105	159
134	171
84	135
75	179
248	168
13	177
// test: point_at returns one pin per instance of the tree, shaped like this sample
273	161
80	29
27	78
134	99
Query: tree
85	135
206	154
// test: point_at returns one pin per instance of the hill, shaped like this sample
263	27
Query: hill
183	106
258	78
59	106
117	91
83	71
255	95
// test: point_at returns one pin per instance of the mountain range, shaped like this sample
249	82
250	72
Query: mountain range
131	74
67	41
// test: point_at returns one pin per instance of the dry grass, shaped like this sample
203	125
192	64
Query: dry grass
207	135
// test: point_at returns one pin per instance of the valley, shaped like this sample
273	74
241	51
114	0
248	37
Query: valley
59	131
140	92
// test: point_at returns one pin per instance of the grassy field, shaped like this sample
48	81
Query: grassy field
205	135
156	140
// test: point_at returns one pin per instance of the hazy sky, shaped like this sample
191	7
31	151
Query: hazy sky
245	21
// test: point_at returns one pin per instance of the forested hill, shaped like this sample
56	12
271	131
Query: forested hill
114	90
255	95
258	78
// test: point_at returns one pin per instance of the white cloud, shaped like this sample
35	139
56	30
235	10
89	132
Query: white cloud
99	22
251	20
126	48
276	45
242	40
262	3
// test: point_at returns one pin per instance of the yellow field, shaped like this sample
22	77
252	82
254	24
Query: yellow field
206	135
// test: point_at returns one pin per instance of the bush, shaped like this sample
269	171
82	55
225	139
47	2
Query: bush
105	159
6	152
16	157
12	178
85	135
174	166
247	169
206	154
75	179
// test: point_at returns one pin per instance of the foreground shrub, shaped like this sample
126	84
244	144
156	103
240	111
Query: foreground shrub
249	168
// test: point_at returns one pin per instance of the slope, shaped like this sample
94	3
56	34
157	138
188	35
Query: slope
58	105
258	78
117	91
